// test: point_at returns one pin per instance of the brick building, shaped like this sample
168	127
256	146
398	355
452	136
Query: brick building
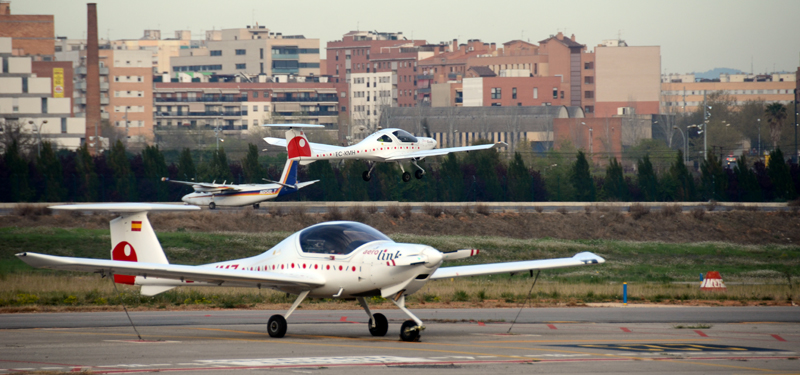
31	35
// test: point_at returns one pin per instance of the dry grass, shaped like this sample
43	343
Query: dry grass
671	210
356	213
698	213
538	209
432	211
483	209
31	210
638	211
333	214
393	211
92	291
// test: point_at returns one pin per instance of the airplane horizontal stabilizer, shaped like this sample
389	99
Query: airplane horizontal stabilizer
125	207
151	290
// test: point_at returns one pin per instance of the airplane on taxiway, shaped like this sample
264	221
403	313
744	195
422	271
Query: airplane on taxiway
338	259
386	145
233	195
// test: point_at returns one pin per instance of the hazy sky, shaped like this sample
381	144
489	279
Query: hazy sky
694	35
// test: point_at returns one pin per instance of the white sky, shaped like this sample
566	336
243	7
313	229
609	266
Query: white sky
694	35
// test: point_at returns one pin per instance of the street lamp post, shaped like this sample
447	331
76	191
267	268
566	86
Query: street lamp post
218	130
39	135
685	149
759	138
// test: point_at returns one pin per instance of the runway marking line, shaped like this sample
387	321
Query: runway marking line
701	333
551	326
625	329
778	338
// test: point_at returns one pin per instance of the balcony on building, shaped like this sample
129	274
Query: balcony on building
201	114
82	86
206	98
296	98
81	71
424	76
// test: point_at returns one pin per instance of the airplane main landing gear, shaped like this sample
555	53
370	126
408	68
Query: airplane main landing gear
256	206
367	175
378	325
419	172
212	206
276	326
406	177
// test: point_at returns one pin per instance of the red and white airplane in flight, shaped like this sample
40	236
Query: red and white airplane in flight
337	259
386	145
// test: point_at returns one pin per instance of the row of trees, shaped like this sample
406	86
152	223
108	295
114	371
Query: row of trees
118	175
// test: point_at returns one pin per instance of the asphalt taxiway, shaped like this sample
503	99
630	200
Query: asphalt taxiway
463	341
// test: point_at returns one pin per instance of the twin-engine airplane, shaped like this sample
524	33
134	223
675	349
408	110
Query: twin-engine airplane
337	259
232	195
387	145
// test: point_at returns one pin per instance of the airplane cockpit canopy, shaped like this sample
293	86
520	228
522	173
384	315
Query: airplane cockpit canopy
404	136
340	238
385	138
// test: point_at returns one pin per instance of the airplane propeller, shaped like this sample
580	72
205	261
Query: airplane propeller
431	257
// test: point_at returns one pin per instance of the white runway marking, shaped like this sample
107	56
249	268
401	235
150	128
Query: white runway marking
310	361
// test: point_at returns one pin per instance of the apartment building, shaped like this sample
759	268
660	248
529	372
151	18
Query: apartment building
238	107
28	99
251	51
126	89
370	94
31	35
512	91
627	79
162	49
684	94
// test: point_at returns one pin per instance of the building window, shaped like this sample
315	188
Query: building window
261	54
536	93
266	108
514	93
555	92
588	94
255	108
216	53
241	66
241	51
255	94
589	109
588	65
588	80
496	93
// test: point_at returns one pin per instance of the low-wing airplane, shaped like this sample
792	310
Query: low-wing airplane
386	145
338	259
232	195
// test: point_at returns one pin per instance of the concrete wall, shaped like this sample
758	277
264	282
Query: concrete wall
473	92
627	77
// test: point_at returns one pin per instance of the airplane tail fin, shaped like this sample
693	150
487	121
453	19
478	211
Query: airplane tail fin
132	236
289	176
297	145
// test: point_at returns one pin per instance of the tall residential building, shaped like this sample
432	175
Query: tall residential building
251	51
31	35
627	78
162	49
126	90
33	101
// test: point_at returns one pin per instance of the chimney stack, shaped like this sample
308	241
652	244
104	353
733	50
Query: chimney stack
92	80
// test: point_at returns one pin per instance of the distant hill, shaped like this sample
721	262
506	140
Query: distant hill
714	73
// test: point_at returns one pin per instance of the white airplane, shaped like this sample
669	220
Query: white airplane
387	145
232	195
337	259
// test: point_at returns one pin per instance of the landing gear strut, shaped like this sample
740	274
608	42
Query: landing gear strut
378	325
212	206
411	329
406	175
276	326
419	172
367	175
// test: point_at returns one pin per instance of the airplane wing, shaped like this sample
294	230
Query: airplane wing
315	147
204	186
444	151
522	266
169	271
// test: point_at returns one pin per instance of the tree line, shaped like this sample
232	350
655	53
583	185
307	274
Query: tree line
118	175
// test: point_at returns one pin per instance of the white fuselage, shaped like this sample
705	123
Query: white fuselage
376	147
365	272
253	194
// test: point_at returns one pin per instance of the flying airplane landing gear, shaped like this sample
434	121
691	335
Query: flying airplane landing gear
411	329
419	172
212	206
378	324
367	175
256	206
276	326
406	175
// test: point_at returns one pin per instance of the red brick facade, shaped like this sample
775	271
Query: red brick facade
30	34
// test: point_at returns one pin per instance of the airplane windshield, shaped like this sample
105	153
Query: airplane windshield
385	138
405	136
339	239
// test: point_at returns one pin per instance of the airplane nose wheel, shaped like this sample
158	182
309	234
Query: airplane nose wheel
406	177
366	176
212	206
409	331
381	325
276	326
418	174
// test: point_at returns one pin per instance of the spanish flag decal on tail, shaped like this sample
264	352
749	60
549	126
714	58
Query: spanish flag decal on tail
136	226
